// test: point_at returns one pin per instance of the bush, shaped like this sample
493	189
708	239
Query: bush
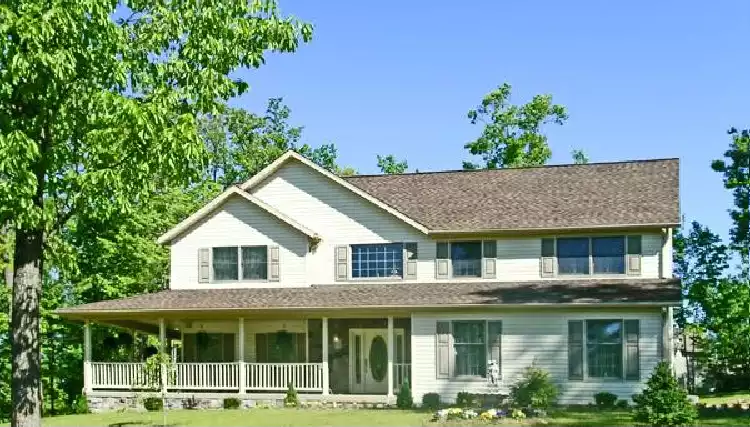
404	400
231	403
291	400
535	389
605	400
464	399
431	401
153	404
81	405
663	402
622	404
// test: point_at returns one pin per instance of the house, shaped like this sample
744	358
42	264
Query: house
347	286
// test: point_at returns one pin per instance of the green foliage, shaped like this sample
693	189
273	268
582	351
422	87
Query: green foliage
663	402
153	404
231	403
464	399
431	401
82	405
605	400
579	157
152	368
534	390
622	404
390	165
404	399
513	135
518	414
291	400
737	180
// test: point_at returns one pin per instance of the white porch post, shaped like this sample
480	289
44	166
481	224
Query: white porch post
390	358
241	353
87	384
669	337
325	356
162	352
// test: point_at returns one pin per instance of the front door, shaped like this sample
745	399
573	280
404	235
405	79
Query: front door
368	360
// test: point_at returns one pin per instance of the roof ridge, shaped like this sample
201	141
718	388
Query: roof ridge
552	166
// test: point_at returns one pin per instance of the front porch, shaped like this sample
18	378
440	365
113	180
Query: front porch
366	358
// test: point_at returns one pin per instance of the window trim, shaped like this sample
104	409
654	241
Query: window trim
239	265
350	263
625	237
481	257
473	378
623	350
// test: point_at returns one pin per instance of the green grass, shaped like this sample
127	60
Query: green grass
729	398
357	417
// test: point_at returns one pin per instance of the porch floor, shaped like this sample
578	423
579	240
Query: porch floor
312	397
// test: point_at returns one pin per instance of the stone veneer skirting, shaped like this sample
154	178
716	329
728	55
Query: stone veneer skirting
101	401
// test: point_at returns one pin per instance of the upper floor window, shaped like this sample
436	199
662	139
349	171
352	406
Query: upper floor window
233	262
466	259
378	260
471	258
591	255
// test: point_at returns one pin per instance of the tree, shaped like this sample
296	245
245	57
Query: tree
97	113
579	157
390	165
513	135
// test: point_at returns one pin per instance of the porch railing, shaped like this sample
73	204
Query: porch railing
217	376
119	375
401	372
277	376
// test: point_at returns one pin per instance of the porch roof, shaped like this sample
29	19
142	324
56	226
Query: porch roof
662	292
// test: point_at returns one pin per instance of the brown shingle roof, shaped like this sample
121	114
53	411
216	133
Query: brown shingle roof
644	192
582	291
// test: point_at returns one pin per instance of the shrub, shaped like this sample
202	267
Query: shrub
291	400
622	404
464	399
231	403
663	402
153	404
404	400
605	400
431	401
535	389
81	405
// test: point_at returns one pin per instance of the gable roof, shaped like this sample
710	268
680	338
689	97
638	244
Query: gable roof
398	295
623	194
293	156
214	204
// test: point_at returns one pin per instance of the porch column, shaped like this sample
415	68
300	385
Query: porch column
669	337
325	356
241	353
87	385
162	352
390	358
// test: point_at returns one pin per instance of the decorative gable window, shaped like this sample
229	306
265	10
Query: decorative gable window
238	263
605	255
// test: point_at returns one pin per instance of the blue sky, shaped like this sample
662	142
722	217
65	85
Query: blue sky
640	79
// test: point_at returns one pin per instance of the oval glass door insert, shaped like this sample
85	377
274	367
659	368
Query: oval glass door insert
378	358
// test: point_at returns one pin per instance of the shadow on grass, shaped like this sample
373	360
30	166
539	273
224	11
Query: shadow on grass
138	424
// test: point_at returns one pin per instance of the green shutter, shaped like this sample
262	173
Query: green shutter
261	348
229	347
444	351
575	349
301	346
495	344
188	347
632	353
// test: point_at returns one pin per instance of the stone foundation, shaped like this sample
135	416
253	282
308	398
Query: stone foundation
118	401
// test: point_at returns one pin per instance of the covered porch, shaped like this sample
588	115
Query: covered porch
350	354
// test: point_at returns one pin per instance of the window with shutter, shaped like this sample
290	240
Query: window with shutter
442	260
443	350
489	259
495	343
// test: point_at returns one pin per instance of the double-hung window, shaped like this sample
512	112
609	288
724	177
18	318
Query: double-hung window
601	255
379	260
603	349
466	347
466	259
245	262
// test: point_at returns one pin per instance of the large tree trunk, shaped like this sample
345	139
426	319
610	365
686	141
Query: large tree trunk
27	291
7	258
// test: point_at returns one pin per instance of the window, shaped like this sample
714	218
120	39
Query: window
247	262
470	348
597	255
208	347
466	259
254	263
378	260
280	347
225	263
604	352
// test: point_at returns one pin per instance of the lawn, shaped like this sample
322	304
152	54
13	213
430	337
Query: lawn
728	398
359	417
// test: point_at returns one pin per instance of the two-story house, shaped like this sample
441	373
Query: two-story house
455	281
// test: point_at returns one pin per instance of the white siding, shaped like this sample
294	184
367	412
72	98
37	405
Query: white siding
651	246
533	336
239	222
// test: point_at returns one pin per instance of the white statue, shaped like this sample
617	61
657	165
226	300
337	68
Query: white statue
493	372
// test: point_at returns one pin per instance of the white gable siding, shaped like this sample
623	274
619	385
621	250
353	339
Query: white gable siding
237	223
534	336
339	216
